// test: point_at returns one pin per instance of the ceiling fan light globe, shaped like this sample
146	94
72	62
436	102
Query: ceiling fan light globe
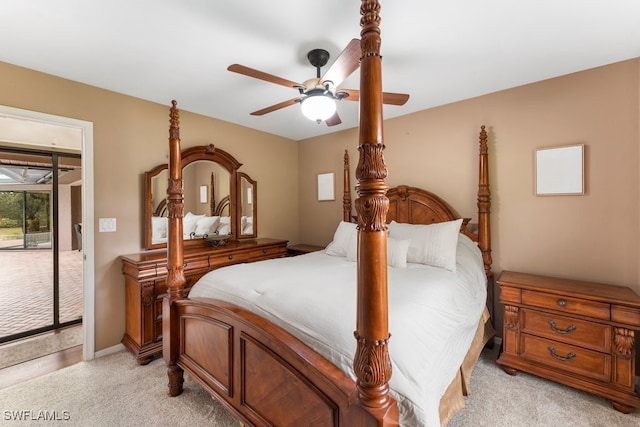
318	107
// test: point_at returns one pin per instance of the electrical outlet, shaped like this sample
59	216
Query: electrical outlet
106	225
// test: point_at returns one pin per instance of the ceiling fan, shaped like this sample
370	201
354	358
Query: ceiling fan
319	95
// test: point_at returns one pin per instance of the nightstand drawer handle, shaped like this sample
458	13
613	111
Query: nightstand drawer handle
562	303
563	359
570	329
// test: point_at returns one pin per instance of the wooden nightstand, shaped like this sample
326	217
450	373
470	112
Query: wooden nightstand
581	334
301	249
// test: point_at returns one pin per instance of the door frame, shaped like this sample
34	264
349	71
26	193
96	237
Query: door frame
86	148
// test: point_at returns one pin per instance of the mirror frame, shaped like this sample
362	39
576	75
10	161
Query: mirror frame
188	156
254	204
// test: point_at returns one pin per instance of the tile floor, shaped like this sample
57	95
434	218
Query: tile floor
26	298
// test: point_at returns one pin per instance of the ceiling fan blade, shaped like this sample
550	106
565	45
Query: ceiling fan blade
394	98
275	107
345	64
354	94
333	120
241	69
387	97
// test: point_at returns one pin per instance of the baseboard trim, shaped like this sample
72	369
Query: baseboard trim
109	350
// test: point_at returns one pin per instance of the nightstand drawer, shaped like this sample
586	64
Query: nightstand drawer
564	304
577	360
592	335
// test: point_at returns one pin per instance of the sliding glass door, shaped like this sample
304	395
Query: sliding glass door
40	248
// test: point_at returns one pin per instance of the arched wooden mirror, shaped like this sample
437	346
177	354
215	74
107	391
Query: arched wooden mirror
212	199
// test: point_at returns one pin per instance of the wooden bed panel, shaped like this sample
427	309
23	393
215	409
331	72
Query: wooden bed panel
260	372
416	206
263	395
208	348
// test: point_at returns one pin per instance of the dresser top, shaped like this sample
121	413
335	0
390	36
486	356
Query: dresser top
615	294
235	245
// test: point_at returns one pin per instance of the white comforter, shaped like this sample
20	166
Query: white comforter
433	315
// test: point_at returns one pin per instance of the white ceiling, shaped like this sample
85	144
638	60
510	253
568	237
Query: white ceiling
438	52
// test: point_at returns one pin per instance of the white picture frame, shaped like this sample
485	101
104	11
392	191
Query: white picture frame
559	171
325	187
204	194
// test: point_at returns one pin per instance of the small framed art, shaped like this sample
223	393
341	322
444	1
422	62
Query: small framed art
325	187
559	170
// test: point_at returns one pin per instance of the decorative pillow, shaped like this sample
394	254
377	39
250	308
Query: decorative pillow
224	227
158	227
396	252
344	236
247	225
207	225
189	222
433	244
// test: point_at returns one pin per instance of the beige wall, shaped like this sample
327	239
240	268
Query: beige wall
131	136
592	237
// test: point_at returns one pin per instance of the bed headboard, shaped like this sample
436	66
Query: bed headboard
414	205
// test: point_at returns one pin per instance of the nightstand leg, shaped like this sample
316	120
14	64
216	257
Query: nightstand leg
625	409
509	371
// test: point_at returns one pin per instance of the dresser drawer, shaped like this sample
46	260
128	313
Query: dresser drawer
189	265
583	333
255	254
564	304
573	359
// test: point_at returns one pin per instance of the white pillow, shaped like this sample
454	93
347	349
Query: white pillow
189	223
396	252
158	227
207	225
344	236
433	244
224	227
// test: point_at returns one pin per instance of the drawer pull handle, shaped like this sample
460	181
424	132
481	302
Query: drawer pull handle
562	303
569	356
264	251
230	256
569	329
185	265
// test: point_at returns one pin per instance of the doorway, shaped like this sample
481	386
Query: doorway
44	132
40	203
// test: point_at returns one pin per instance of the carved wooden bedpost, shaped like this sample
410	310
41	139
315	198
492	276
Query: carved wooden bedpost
484	203
372	364
175	256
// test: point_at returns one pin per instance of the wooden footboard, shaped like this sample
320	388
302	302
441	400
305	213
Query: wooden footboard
261	373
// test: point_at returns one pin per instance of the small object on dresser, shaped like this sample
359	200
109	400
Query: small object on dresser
215	240
577	333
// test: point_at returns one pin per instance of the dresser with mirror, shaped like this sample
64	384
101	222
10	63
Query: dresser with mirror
220	228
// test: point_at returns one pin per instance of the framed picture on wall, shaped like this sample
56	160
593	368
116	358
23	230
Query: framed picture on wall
325	186
559	170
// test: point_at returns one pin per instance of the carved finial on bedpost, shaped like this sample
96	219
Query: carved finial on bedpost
484	203
372	364
346	194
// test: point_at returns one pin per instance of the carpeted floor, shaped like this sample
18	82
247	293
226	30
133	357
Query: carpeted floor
115	391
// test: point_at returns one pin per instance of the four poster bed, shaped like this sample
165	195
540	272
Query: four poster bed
273	341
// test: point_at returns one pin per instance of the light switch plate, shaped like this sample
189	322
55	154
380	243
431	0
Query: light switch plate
106	225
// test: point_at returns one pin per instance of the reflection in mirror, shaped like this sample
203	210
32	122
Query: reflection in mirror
247	204
214	201
202	217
